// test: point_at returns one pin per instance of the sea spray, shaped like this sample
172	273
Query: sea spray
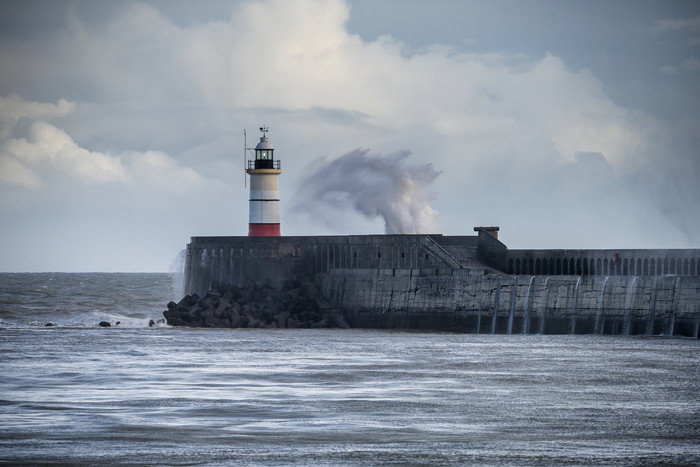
652	306
528	306
674	309
495	305
513	298
177	269
478	319
697	319
373	185
598	325
543	312
629	296
572	323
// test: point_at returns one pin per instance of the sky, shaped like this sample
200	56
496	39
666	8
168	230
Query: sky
568	124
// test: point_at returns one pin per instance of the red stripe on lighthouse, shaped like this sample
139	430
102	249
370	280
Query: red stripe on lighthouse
264	230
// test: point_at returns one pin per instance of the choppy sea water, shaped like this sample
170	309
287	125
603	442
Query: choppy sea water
77	393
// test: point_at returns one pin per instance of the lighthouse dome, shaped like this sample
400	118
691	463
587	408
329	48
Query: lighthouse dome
264	143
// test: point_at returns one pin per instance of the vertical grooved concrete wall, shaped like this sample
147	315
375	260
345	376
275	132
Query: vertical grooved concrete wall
459	300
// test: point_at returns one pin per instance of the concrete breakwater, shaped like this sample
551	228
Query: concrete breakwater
467	283
459	300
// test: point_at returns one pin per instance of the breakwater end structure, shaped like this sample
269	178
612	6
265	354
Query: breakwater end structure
469	284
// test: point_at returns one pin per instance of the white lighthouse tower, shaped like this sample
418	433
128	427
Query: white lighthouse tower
264	208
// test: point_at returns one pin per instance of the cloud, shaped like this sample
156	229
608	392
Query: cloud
13	107
686	25
278	55
664	25
688	65
13	172
47	149
159	170
691	64
132	105
669	70
34	152
298	58
72	208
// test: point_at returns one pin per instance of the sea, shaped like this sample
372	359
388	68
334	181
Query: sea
77	393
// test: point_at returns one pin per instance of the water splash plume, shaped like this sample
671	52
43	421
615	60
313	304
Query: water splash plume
375	186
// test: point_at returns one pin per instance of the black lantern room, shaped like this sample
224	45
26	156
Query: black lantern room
263	152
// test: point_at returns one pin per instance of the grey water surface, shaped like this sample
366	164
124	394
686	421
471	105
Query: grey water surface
76	393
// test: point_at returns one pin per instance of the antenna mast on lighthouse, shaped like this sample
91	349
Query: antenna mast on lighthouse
264	207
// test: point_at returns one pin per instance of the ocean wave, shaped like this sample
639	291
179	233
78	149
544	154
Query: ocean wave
84	300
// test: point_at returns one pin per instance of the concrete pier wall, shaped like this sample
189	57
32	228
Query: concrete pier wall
467	283
234	260
459	300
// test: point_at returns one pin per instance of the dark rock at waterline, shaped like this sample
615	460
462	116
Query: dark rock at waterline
50	324
298	304
105	324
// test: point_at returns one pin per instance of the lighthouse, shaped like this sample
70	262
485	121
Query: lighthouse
264	208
